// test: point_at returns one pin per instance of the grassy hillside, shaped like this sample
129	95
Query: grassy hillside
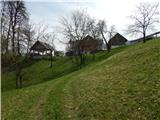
38	71
126	85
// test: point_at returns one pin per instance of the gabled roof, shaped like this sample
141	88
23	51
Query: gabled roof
41	46
118	39
88	37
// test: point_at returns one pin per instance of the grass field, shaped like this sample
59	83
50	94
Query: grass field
121	85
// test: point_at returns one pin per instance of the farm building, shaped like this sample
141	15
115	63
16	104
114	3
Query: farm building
41	50
117	40
87	45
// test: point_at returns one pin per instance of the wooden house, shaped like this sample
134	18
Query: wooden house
87	45
117	40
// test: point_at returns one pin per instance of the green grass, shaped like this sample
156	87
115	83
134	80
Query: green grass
38	71
116	86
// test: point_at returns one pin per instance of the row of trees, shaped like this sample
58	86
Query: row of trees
17	32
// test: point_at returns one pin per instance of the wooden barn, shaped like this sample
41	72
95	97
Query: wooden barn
89	44
86	45
41	50
117	40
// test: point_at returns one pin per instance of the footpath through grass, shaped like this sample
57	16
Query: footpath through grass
124	86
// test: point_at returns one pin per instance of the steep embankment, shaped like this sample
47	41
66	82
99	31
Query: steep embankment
124	86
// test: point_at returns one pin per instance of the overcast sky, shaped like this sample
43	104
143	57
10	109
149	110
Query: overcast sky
115	12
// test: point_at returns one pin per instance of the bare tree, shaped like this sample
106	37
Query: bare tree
144	19
22	23
52	38
18	13
14	14
75	28
29	33
103	30
40	32
5	26
111	31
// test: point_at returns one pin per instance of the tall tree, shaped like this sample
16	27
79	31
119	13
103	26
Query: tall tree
75	28
29	34
145	17
13	18
5	26
103	30
19	18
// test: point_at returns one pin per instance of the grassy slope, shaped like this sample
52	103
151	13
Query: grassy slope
126	85
38	72
35	72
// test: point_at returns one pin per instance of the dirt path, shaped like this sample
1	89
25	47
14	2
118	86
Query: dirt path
69	106
63	104
36	112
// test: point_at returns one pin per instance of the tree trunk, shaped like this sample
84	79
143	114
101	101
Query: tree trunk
13	35
107	45
51	58
17	75
83	58
8	33
20	81
7	41
80	58
28	45
13	30
18	43
144	37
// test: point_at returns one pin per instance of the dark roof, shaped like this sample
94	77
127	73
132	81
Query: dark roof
41	46
118	39
88	37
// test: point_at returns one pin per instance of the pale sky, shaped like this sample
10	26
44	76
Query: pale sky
115	12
